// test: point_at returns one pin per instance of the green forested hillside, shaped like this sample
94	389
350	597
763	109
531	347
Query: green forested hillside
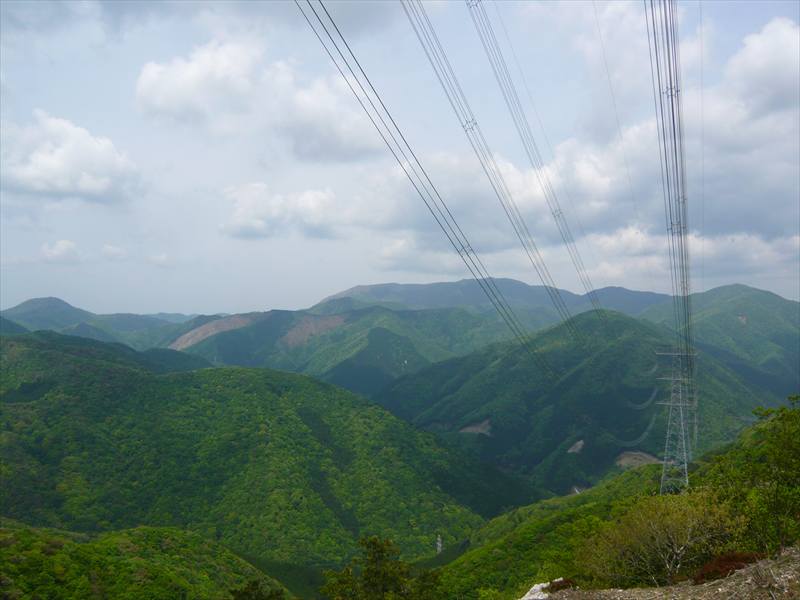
467	294
366	337
91	332
362	349
756	333
750	484
539	542
138	331
46	313
145	562
275	466
40	357
9	327
567	431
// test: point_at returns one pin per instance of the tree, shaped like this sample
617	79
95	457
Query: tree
255	590
657	540
760	479
380	574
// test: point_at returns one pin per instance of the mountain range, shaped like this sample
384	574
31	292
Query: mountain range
366	337
240	429
567	430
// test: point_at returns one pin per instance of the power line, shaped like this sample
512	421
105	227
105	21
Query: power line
616	110
437	56
495	55
539	121
702	154
338	50
634	199
664	53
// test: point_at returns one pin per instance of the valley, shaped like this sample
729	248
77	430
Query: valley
267	444
399	300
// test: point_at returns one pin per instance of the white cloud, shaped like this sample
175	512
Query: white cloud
55	158
43	17
215	81
404	254
159	260
61	252
765	71
258	213
752	149
322	121
231	89
751	158
112	252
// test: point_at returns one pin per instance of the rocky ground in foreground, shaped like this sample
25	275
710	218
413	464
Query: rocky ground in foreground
770	579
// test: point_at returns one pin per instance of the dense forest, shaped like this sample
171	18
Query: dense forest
449	468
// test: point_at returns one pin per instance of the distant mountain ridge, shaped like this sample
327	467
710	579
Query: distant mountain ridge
46	313
362	349
366	337
568	432
137	331
467	293
754	332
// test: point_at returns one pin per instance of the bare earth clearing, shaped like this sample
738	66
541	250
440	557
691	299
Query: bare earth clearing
198	334
635	459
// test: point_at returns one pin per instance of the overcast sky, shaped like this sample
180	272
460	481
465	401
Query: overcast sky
202	157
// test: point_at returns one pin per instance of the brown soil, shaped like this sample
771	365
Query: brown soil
724	565
635	459
308	327
198	334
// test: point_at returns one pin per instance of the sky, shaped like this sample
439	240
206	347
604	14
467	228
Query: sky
204	157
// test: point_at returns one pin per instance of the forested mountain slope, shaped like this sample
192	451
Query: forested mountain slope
756	333
46	313
47	357
539	542
749	486
366	337
276	466
466	293
131	564
138	331
568	430
9	327
362	349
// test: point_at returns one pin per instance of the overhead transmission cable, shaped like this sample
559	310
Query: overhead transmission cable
437	56
634	199
702	153
664	51
614	106
338	50
536	114
508	88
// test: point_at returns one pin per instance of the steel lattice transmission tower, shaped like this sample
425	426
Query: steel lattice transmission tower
661	16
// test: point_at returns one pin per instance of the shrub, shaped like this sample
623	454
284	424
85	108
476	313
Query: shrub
658	540
760	480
